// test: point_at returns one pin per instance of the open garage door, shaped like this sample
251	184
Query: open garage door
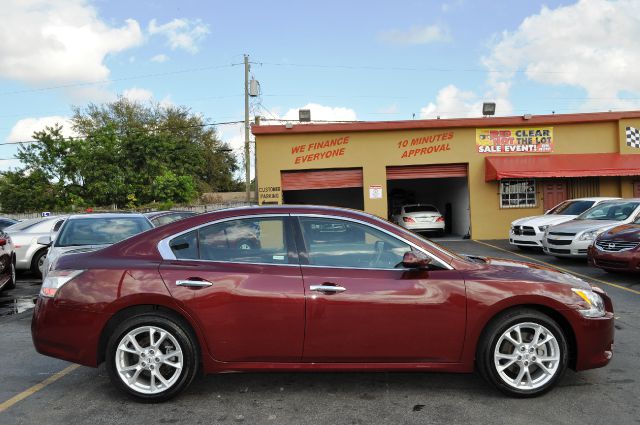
334	187
444	186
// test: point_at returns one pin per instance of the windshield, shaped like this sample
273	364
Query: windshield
614	211
572	207
100	231
420	208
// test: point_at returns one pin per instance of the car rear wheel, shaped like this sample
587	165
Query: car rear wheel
523	353
152	357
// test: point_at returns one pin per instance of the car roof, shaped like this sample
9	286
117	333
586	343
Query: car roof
595	198
153	214
104	215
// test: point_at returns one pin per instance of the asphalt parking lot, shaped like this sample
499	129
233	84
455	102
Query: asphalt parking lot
39	390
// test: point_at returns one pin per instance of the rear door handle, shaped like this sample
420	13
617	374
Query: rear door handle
193	283
327	288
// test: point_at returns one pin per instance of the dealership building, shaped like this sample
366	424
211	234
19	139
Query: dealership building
481	173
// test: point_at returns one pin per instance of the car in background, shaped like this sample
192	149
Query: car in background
527	232
29	254
617	249
6	222
159	218
325	289
420	218
91	232
7	262
573	238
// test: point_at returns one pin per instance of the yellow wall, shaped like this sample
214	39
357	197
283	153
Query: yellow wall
375	150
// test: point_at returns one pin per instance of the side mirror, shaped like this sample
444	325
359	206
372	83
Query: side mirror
44	240
413	260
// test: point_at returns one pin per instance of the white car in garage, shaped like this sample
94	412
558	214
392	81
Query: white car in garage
528	232
420	218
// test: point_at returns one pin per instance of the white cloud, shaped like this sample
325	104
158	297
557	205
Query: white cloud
160	58
23	130
181	33
416	35
322	113
452	102
59	41
592	45
137	94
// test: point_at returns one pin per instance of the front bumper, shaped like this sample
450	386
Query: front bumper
594	341
624	261
562	246
67	334
526	240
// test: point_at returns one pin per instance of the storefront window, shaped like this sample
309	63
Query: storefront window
517	193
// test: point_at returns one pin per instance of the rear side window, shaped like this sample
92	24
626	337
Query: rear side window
251	240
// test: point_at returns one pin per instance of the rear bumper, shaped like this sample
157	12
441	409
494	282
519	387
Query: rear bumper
624	261
71	335
439	225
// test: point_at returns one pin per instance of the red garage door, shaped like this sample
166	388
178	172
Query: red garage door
426	171
322	179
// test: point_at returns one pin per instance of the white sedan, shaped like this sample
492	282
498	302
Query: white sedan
527	232
420	218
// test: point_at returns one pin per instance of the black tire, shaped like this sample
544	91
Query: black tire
179	331
11	284
36	259
490	337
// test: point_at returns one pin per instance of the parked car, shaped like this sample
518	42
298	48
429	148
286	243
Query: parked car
617	249
6	222
573	238
29	254
158	218
91	232
160	306
7	262
527	232
420	218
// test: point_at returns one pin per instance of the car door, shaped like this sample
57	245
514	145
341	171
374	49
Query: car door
241	281
363	306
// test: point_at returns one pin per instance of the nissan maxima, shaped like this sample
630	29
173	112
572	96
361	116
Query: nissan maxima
319	289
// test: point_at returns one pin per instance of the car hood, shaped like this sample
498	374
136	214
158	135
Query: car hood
543	220
513	270
626	232
577	226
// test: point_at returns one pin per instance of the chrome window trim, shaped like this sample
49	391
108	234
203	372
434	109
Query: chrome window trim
364	223
167	254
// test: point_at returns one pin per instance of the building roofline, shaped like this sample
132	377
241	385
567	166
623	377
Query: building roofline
534	120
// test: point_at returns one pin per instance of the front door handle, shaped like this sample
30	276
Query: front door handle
193	283
334	289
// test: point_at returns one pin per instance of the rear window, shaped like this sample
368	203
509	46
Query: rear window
420	208
572	207
100	231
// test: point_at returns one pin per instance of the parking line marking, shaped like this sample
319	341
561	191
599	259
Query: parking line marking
37	387
615	285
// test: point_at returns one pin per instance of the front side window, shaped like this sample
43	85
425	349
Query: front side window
338	243
517	193
248	240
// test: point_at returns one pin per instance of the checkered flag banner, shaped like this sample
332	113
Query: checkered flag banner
633	137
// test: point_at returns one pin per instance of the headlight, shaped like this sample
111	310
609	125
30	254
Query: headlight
593	300
590	235
543	228
55	280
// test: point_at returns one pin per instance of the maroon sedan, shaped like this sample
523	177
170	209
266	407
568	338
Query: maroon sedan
617	249
325	289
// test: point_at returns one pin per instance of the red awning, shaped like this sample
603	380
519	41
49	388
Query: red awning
569	165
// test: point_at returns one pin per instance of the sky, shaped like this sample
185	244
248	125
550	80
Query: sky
343	60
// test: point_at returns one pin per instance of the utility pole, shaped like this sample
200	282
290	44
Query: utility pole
247	127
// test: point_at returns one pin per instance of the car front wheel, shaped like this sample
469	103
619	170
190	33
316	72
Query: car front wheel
152	357
523	353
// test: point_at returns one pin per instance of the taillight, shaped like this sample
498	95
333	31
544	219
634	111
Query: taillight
55	280
408	220
439	219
